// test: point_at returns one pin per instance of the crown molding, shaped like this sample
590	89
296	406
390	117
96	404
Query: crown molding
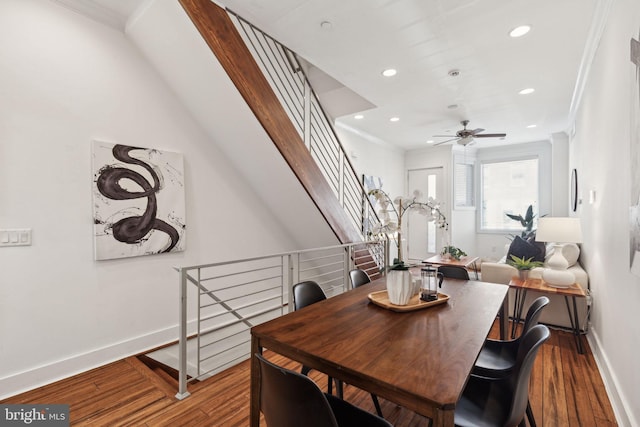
598	24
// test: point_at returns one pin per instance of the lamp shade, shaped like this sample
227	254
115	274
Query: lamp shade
635	264
559	229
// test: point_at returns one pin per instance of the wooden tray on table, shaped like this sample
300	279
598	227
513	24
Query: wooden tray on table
381	298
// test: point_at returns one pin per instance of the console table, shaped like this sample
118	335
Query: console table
538	285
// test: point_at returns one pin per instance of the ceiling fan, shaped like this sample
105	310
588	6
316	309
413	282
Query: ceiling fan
466	136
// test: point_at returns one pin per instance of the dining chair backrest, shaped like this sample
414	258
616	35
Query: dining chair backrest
527	351
454	272
533	313
359	277
290	399
307	293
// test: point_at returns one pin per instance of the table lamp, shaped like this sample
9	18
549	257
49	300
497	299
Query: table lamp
635	263
559	230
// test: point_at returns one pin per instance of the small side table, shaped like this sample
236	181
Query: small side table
538	285
468	262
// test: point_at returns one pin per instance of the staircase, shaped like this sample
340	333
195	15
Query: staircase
281	98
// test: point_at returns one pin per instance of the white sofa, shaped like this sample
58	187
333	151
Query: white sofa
555	314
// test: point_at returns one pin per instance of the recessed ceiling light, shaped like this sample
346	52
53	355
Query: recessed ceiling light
326	25
394	119
520	31
431	141
531	126
389	72
527	91
358	117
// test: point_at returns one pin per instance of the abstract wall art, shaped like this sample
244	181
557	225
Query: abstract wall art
369	183
138	201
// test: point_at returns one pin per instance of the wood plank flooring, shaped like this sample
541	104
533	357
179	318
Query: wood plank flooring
566	389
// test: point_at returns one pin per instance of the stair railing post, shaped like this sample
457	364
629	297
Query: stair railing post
348	263
182	344
387	261
307	114
289	283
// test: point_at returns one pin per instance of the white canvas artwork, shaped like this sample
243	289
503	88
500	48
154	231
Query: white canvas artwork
138	201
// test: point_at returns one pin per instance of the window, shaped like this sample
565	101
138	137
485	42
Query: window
508	187
463	182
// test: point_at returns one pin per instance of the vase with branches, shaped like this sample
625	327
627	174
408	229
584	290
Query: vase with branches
391	213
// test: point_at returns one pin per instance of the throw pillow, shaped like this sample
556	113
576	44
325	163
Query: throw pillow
540	245
523	249
570	251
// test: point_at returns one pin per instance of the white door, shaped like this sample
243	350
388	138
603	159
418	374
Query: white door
421	234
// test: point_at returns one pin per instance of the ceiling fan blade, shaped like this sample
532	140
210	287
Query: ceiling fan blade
444	136
473	132
442	142
490	135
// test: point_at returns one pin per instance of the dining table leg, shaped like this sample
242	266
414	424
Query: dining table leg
504	318
254	405
443	418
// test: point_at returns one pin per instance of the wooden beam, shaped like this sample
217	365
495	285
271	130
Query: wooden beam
227	45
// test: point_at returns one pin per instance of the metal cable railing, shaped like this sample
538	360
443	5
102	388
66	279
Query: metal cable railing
228	298
282	69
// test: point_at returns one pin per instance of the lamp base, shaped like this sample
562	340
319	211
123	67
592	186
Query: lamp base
558	278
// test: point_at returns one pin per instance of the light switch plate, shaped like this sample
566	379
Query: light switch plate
15	237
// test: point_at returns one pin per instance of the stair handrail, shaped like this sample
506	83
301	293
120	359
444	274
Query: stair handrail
238	294
299	103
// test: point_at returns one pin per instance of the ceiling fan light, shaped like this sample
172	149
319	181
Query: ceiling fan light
466	140
390	72
520	31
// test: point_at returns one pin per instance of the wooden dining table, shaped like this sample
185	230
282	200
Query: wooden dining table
418	359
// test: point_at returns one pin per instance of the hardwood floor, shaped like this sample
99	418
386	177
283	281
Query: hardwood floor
565	390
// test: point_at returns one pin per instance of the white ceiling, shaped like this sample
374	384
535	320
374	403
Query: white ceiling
424	40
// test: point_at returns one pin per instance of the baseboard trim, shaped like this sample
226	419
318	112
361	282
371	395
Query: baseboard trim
621	406
42	375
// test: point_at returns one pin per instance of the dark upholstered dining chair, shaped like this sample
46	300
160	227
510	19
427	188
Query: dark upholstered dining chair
454	272
498	359
304	294
502	402
290	399
307	293
358	277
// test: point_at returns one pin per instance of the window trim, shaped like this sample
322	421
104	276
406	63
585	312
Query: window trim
470	161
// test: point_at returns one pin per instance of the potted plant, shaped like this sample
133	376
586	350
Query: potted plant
398	207
526	221
452	252
523	265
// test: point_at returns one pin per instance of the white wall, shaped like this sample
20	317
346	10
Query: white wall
600	152
373	157
67	80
